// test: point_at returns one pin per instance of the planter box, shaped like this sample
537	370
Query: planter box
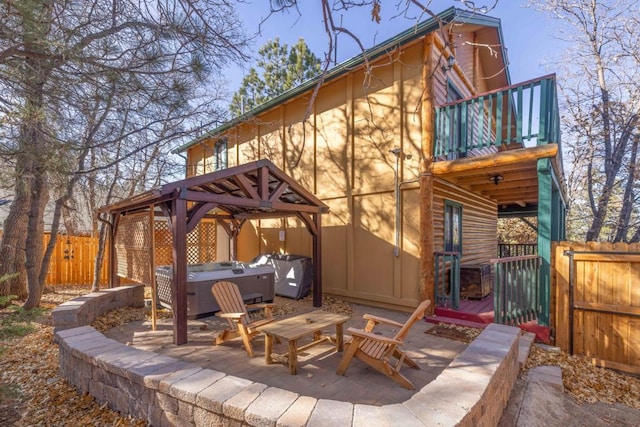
475	280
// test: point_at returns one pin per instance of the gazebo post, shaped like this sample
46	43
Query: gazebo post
251	191
317	258
114	279
152	268
179	282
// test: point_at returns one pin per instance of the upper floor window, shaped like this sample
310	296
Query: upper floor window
452	227
220	155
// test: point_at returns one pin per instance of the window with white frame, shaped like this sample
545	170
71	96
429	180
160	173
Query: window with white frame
220	155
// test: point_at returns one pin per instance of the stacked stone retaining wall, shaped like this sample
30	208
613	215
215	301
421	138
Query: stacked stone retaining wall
472	391
85	309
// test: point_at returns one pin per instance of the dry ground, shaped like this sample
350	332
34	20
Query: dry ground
30	386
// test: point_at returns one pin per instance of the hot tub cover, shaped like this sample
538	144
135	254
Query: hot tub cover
293	273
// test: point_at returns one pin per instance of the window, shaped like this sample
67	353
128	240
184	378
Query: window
455	124
220	156
452	227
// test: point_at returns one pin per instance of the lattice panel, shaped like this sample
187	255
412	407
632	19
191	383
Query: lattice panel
201	243
163	252
132	245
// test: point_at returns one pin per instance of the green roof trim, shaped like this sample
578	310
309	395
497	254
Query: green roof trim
448	16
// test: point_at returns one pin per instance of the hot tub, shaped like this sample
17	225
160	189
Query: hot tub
256	284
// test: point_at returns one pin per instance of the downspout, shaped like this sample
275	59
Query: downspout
397	184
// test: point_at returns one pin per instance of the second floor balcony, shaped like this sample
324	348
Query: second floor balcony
518	116
498	144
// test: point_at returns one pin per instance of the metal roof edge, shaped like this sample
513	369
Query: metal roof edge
423	28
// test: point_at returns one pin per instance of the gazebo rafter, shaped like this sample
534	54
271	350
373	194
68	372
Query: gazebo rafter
256	190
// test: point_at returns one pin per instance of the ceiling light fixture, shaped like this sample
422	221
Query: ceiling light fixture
496	179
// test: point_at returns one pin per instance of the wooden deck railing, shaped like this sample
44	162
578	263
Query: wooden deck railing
506	250
516	288
526	113
447	280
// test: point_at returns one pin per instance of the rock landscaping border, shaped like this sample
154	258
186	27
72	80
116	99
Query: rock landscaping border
473	390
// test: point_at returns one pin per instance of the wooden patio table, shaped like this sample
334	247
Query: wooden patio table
296	327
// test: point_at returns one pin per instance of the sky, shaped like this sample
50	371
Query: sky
527	33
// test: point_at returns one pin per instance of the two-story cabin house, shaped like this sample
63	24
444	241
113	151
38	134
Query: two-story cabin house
417	151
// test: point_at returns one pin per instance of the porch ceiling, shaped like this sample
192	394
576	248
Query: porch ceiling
518	185
510	178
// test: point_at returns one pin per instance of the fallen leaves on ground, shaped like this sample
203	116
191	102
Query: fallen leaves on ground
454	332
336	305
119	317
30	386
587	382
285	307
583	380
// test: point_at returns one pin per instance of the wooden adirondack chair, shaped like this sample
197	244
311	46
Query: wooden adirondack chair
233	308
380	352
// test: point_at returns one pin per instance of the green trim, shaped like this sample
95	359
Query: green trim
515	211
446	17
450	203
545	227
456	134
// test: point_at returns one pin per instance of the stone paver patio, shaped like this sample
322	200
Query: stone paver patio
316	371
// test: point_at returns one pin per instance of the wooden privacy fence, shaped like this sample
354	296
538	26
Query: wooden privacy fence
596	302
73	260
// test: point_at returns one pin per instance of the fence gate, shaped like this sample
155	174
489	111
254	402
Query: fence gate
597	303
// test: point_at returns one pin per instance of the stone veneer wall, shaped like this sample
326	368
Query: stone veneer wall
472	391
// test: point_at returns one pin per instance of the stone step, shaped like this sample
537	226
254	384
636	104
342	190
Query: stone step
526	340
454	321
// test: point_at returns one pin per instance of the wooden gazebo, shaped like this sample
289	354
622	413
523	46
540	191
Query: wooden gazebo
256	190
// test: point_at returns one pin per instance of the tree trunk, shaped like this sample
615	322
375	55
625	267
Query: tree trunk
33	145
34	243
97	267
622	229
12	247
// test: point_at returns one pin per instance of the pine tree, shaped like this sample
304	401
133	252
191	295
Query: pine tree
282	68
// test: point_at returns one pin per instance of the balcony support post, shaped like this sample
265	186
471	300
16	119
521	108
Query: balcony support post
545	220
426	282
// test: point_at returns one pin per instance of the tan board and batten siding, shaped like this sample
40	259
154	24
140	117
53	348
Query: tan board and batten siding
341	153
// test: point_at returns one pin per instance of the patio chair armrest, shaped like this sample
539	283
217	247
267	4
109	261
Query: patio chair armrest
368	335
261	305
268	307
378	319
233	316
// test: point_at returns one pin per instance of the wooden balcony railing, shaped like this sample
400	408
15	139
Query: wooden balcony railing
516	289
522	115
506	250
447	280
